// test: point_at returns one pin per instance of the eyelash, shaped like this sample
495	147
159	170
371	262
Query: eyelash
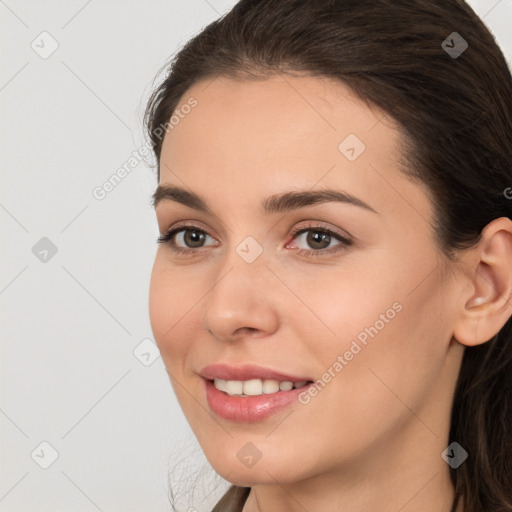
345	242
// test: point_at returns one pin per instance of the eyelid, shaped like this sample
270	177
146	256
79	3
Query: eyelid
321	226
187	224
309	224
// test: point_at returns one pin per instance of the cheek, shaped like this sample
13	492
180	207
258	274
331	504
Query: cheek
353	303
391	342
397	369
171	302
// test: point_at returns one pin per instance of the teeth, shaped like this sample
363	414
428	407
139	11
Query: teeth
255	387
220	384
286	385
270	386
234	387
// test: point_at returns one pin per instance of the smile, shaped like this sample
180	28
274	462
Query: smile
255	387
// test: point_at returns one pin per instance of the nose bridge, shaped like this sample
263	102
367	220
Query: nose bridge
240	296
246	259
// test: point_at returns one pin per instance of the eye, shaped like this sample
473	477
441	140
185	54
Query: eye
319	238
186	234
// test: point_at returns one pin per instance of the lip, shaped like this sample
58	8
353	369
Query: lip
251	408
247	372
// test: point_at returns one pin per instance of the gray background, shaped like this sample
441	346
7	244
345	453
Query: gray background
80	370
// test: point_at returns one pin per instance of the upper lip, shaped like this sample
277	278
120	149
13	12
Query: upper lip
246	372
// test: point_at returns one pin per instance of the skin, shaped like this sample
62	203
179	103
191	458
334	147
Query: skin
373	436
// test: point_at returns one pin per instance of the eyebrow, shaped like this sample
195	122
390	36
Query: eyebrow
278	203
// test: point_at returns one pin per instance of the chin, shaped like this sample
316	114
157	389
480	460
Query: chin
263	472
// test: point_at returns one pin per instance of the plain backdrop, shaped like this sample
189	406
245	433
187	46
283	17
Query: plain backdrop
88	418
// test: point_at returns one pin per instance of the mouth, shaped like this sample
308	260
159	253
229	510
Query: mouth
251	393
253	400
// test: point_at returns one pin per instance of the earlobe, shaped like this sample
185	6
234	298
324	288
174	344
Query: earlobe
489	305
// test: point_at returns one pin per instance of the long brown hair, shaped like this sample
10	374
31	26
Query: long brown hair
454	107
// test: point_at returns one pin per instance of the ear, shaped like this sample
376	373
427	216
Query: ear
487	305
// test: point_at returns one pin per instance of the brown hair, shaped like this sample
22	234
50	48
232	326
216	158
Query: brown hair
455	117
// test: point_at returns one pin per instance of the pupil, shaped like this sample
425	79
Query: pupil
197	235
315	235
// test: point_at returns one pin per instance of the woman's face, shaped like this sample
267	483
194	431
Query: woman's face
369	320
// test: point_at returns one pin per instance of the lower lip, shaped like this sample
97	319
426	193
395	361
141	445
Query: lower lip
250	408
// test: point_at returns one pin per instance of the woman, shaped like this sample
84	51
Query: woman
332	292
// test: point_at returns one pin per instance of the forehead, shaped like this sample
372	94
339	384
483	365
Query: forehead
270	123
284	106
281	133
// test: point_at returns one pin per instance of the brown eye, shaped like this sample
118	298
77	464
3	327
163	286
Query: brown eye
193	238
318	239
189	238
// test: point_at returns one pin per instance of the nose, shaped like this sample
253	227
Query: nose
242	301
